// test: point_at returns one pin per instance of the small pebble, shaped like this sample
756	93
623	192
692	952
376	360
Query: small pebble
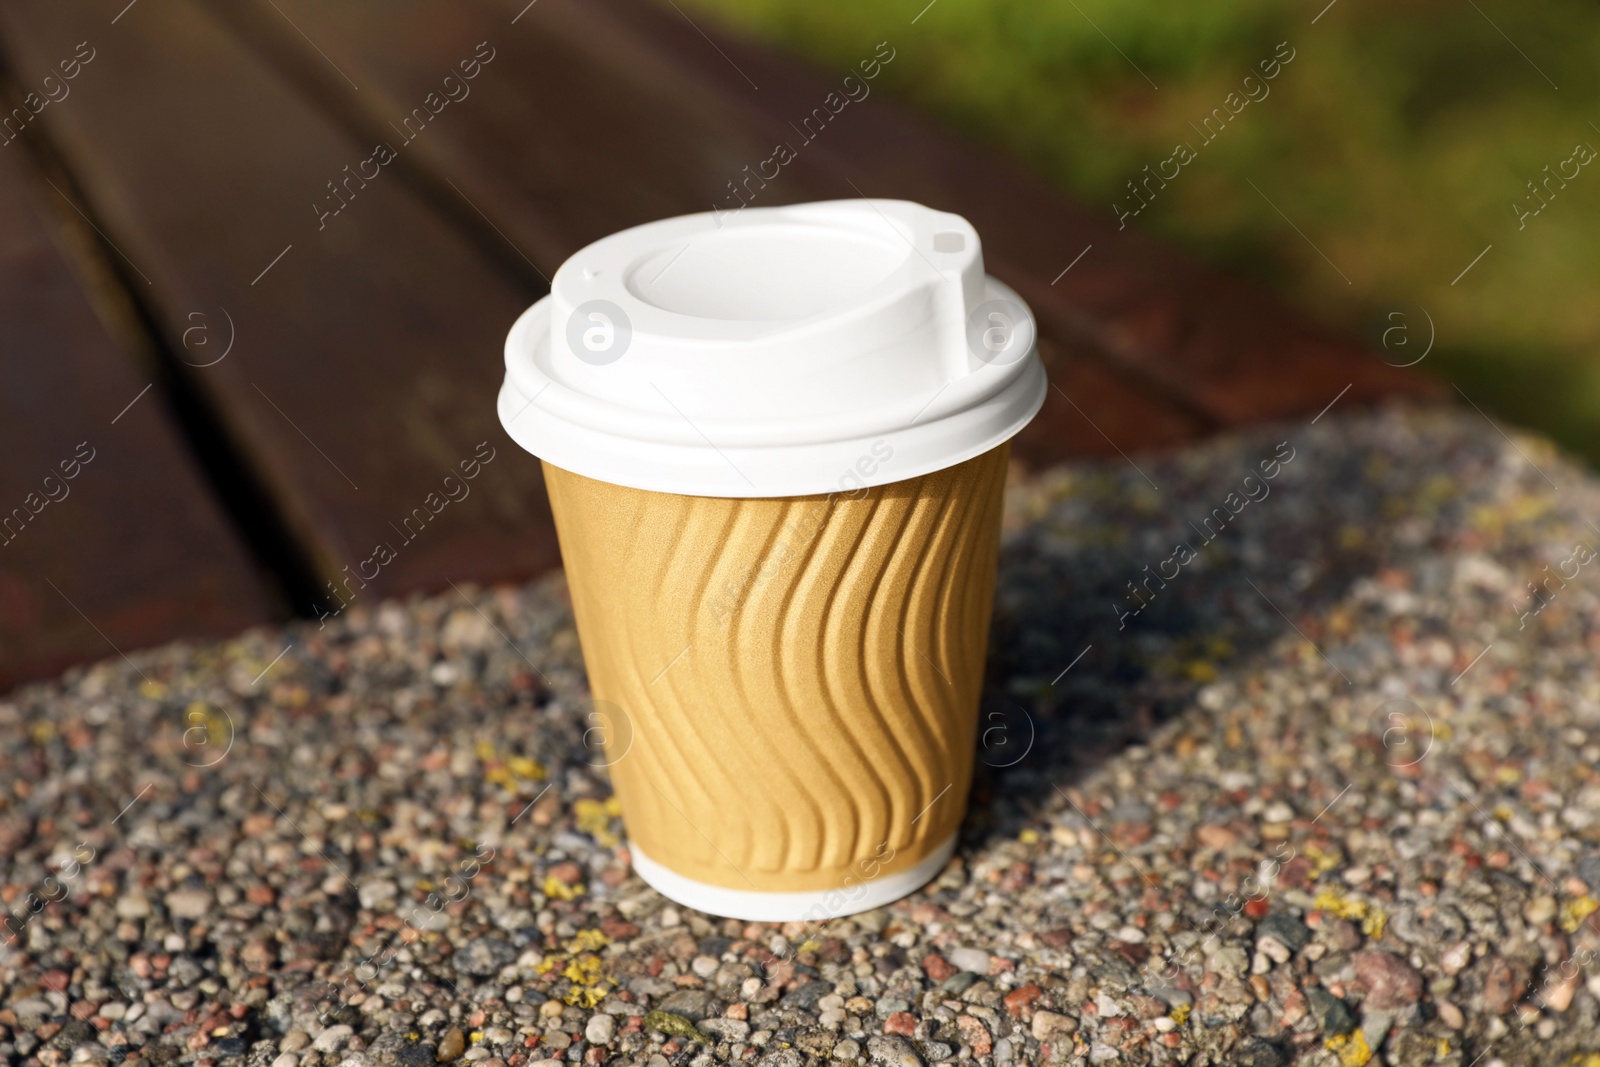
600	1029
1558	995
1052	1026
1391	983
1332	1014
133	906
451	1045
892	1051
189	903
1540	910
333	1038
969	959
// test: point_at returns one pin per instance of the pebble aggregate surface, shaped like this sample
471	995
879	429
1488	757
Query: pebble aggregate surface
1327	792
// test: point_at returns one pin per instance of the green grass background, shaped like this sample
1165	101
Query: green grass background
1397	139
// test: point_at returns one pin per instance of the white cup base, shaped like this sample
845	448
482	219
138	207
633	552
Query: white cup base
811	906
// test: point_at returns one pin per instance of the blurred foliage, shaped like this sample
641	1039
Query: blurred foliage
1398	140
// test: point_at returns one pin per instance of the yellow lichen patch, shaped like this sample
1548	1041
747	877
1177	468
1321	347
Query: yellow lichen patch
810	944
1437	490
1494	519
556	889
1573	912
1180	1014
1351	1049
585	970
1198	670
1339	907
1528	508
1372	918
508	771
1147	502
1029	837
594	818
587	941
1486	520
590	983
152	690
584	996
523	767
1322	861
206	725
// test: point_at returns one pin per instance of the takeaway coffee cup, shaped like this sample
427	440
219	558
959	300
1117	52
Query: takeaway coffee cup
774	443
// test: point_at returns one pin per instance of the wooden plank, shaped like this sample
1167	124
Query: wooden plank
1092	411
637	95
369	332
1190	332
584	126
109	537
561	141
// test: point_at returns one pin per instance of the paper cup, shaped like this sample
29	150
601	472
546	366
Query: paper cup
783	595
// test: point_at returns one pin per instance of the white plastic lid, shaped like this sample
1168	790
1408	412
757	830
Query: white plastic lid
773	352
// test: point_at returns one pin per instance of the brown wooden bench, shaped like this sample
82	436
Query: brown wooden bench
110	538
226	156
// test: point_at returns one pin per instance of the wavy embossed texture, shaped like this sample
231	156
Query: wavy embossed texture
801	674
